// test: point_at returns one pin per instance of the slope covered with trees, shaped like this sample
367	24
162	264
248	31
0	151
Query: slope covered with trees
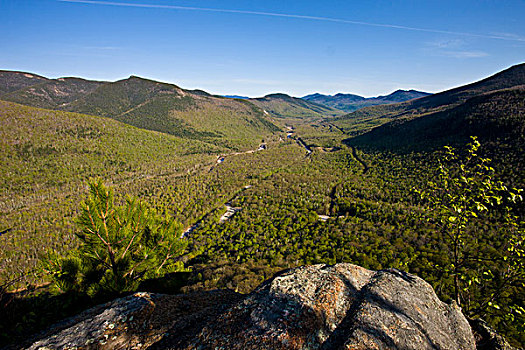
497	118
46	158
11	81
295	109
52	93
306	197
149	105
367	118
496	115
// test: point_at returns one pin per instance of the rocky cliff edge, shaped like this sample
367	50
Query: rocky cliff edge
340	306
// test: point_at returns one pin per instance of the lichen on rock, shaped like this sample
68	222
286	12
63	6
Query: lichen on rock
340	306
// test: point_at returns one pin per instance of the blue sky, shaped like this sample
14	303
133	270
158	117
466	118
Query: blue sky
257	47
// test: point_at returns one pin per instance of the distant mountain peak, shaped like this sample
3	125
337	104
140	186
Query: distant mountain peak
340	94
403	95
237	96
278	95
315	95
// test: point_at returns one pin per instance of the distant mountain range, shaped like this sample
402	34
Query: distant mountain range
285	106
330	104
11	81
350	102
163	107
493	109
231	120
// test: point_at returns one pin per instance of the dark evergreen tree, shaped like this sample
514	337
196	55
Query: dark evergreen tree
119	246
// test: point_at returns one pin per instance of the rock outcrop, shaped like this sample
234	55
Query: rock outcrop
137	321
342	306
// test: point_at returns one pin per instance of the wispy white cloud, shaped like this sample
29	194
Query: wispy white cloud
503	36
456	48
511	36
464	54
447	44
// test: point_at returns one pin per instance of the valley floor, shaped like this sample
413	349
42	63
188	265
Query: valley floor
302	199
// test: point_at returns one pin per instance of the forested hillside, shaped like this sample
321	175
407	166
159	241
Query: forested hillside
47	158
150	105
255	186
367	118
12	81
52	93
497	115
295	109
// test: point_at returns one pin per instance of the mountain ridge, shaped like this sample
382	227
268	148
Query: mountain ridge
492	109
490	115
283	106
365	119
15	80
148	104
352	102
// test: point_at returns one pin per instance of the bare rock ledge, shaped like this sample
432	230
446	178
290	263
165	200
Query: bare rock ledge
340	306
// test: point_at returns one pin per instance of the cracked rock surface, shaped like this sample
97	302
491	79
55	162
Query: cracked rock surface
340	306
